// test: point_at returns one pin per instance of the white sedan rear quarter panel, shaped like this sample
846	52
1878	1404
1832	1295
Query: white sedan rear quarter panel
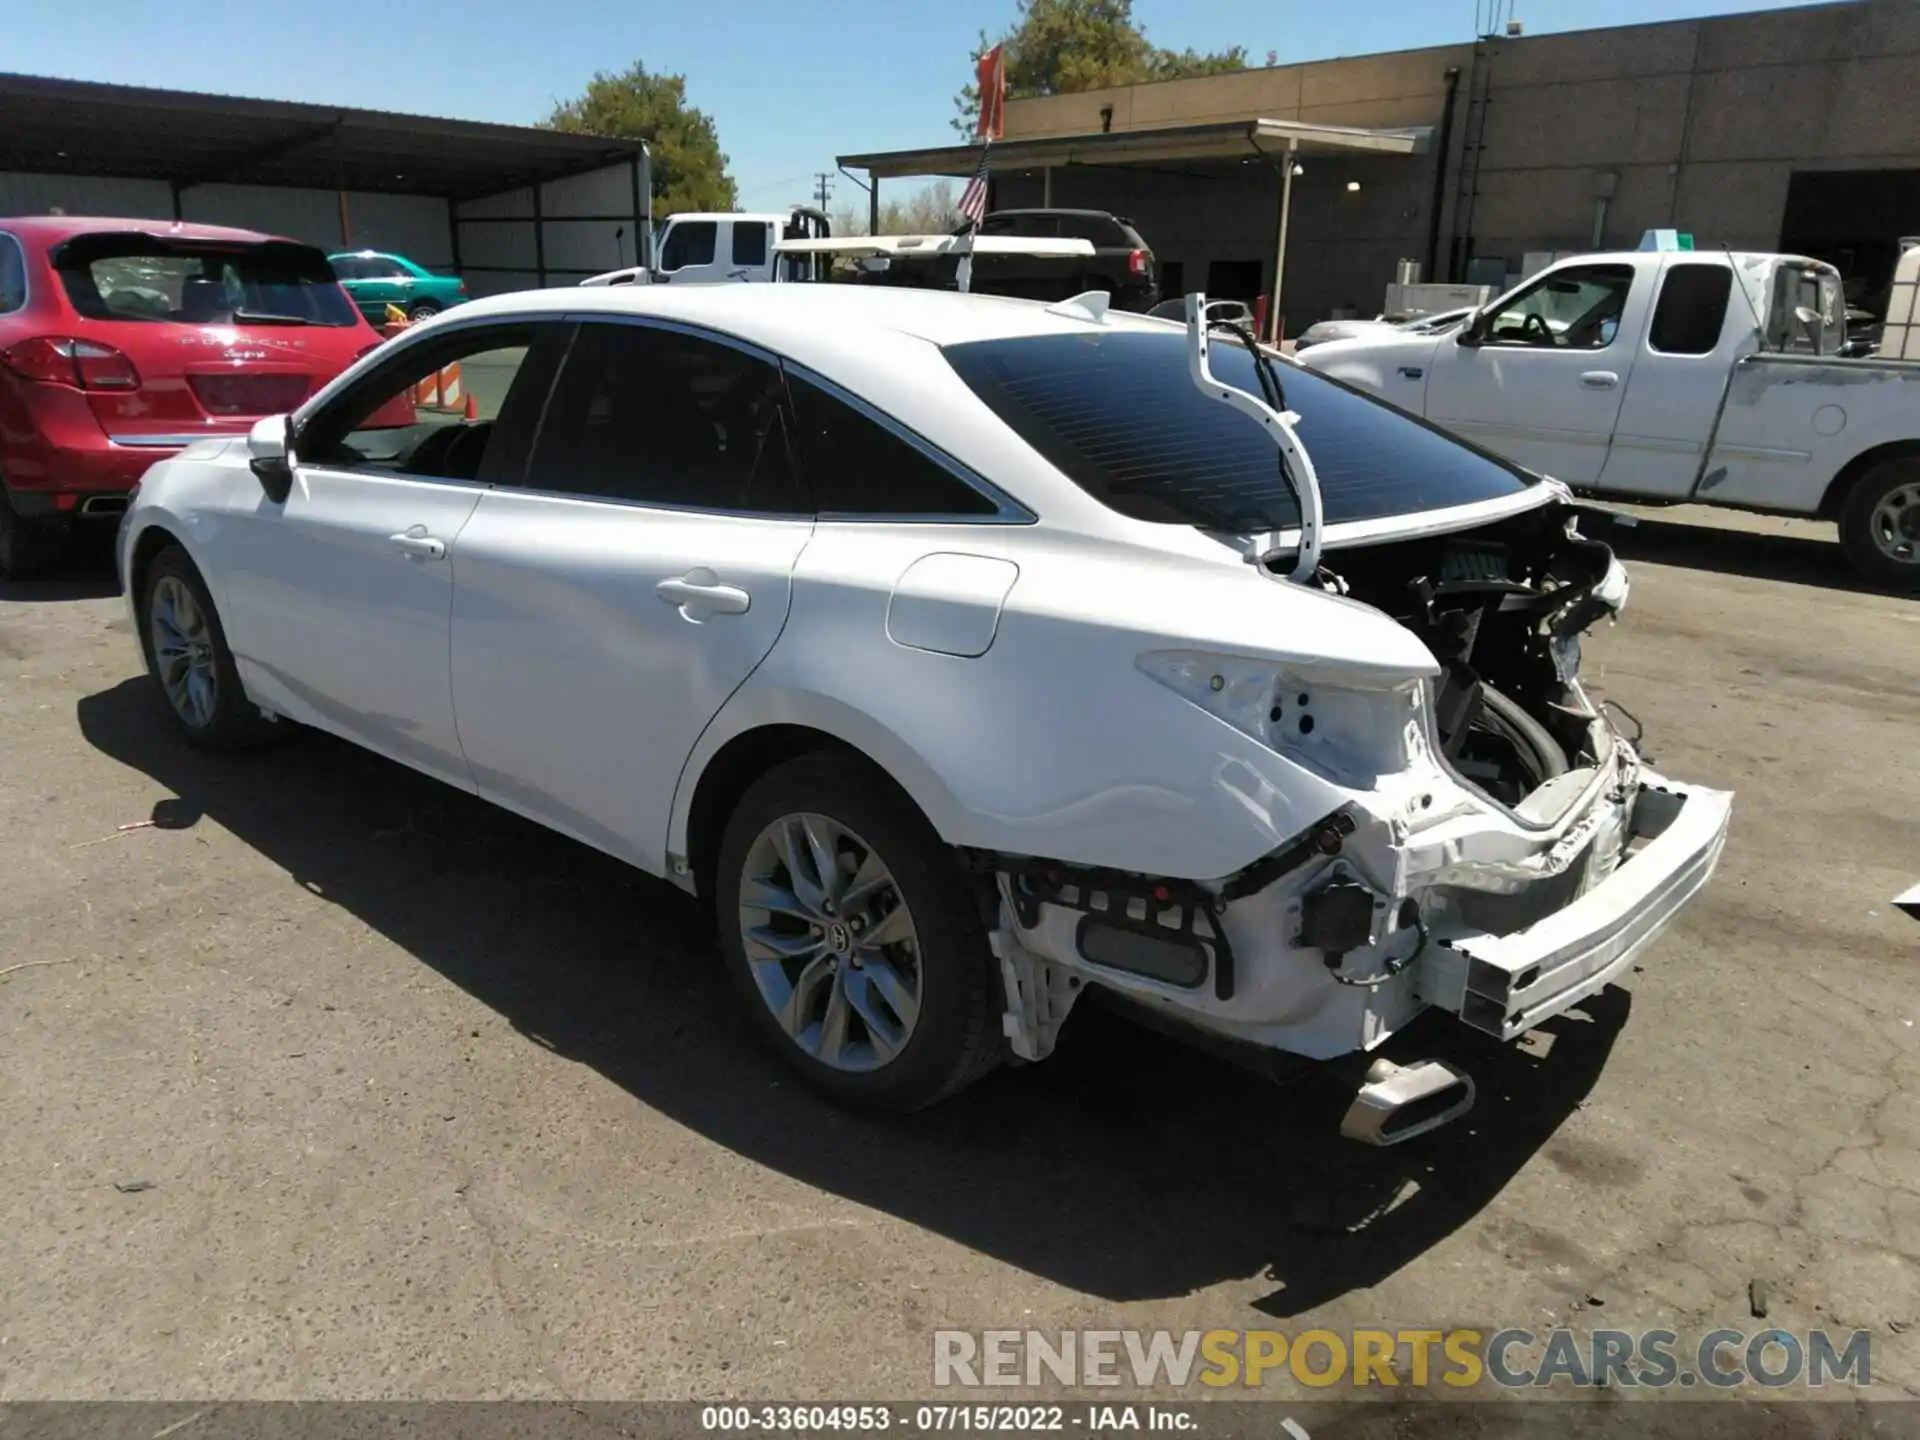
1053	743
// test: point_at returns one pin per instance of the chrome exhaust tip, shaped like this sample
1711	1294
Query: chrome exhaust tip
1399	1102
104	505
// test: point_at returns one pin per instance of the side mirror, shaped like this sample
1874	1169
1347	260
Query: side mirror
1473	330
267	445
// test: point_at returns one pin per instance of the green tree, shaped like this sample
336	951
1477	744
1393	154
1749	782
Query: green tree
689	170
927	211
1057	47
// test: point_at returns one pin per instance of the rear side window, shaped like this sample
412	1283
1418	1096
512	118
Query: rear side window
749	242
13	275
660	417
857	466
1118	415
153	278
1692	309
690	243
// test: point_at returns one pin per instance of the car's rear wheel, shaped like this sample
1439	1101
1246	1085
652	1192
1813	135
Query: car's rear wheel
188	656
1880	524
29	548
425	310
853	937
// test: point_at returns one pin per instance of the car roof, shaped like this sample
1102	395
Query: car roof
767	215
805	317
1054	210
64	227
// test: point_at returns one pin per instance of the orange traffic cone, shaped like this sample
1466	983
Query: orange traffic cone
473	410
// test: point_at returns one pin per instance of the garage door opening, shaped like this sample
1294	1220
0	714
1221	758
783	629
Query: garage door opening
1853	220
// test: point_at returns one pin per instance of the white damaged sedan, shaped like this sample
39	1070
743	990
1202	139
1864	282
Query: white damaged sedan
967	655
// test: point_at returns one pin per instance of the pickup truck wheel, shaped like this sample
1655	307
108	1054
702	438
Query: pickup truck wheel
187	655
28	548
853	938
1880	524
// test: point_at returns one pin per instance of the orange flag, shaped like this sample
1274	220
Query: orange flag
992	78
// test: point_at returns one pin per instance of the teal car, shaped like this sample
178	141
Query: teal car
375	280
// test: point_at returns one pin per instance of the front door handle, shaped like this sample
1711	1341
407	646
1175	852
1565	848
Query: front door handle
418	545
1599	379
700	594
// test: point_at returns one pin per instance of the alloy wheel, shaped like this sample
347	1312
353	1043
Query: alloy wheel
183	653
830	942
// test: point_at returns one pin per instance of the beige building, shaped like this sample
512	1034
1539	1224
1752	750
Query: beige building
1791	129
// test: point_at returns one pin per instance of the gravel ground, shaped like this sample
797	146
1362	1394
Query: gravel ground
430	1103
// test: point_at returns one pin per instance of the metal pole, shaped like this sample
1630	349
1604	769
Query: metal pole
642	210
1046	187
539	240
873	204
1280	244
340	187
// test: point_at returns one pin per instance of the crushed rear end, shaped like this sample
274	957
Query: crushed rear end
1485	840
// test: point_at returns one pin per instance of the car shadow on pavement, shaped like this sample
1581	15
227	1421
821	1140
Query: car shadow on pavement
89	584
86	573
1127	1166
1793	559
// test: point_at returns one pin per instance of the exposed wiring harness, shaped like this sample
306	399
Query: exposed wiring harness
1391	968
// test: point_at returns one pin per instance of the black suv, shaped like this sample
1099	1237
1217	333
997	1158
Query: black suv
1121	263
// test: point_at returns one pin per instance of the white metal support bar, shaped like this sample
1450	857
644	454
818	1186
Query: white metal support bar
1279	426
1272	337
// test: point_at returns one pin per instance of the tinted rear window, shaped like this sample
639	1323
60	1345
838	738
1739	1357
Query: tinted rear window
1119	416
185	282
1099	229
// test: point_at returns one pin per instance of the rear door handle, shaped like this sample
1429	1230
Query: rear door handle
1599	379
419	545
699	594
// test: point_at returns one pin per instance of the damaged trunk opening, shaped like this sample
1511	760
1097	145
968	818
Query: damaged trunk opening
1502	609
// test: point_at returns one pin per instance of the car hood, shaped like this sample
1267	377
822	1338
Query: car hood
1326	331
1391	364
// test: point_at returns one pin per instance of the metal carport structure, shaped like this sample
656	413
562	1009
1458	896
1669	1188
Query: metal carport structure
517	201
1279	143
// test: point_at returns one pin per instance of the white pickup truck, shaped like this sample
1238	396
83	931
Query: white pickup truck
1706	376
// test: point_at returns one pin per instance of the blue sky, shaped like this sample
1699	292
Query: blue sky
791	83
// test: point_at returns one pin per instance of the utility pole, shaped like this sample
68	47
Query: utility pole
823	187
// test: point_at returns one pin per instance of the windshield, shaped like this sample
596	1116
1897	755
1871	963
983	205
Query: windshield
187	282
1119	415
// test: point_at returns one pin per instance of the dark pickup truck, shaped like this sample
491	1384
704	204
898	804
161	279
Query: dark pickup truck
1121	263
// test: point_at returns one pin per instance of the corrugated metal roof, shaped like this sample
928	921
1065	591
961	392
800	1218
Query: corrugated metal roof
77	127
1214	140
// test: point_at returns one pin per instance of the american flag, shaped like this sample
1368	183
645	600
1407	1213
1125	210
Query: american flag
973	200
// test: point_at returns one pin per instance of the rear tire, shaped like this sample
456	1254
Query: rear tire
29	548
1880	524
871	973
425	310
188	657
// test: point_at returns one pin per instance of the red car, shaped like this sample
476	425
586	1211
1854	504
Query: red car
122	341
